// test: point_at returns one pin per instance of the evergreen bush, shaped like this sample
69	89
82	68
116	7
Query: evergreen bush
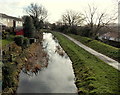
26	42
19	40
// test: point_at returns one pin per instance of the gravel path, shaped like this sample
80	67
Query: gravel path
104	58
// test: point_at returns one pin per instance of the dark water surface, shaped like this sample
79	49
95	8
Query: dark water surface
58	77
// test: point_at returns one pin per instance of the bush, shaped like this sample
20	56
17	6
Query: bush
7	78
71	29
62	28
19	40
5	34
28	26
22	41
25	42
10	30
86	31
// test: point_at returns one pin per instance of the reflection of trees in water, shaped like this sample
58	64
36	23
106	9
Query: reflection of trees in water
60	51
30	70
35	61
55	39
45	46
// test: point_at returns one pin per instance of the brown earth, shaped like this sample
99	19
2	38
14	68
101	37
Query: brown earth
36	58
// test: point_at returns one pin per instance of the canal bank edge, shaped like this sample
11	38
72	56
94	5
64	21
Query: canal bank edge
13	67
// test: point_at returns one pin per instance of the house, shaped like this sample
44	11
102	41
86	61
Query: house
112	36
10	21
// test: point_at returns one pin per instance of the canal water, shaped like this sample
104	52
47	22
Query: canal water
58	77
0	76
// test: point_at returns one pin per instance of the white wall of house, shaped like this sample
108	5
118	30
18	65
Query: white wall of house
19	23
0	18
109	38
3	21
9	22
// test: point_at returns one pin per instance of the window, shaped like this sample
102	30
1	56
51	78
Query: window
8	20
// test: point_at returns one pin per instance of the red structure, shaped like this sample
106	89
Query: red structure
19	31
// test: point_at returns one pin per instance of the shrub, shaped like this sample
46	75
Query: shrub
22	41
28	26
63	28
7	79
25	42
5	34
19	40
10	30
86	31
68	29
73	30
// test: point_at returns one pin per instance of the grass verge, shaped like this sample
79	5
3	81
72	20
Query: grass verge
103	48
7	41
93	76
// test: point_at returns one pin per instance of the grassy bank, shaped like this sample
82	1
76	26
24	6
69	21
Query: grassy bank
20	59
92	75
7	41
11	68
98	46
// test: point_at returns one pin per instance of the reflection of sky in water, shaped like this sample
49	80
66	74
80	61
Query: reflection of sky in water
58	77
0	76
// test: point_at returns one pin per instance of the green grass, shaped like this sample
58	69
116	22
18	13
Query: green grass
98	46
7	41
93	76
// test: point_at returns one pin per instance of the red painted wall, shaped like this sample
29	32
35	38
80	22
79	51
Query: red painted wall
19	32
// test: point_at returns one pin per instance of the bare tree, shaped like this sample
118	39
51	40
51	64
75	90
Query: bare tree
72	18
38	14
98	20
37	11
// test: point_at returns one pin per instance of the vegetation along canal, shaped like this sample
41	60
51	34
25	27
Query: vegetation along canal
58	77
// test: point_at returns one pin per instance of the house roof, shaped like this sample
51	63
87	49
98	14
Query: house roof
112	34
10	17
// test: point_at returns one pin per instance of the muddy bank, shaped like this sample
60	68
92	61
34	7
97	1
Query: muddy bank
35	55
15	59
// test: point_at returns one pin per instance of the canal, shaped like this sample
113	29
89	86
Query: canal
58	77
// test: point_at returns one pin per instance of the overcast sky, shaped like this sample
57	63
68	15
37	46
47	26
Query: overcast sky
55	7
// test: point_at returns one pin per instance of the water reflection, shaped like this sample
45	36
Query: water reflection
58	77
0	82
